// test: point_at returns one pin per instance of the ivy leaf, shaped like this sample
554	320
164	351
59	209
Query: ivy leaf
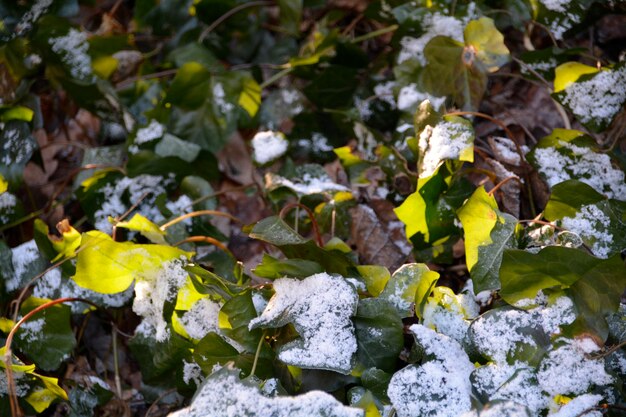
487	43
47	337
17	145
379	333
320	308
595	284
376	381
108	267
250	97
273	268
275	231
568	197
144	226
290	15
488	232
411	283
235	317
223	390
375	277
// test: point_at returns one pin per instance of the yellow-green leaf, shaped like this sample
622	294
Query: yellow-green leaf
250	97
4	184
104	66
487	43
568	73
478	216
69	241
109	267
144	226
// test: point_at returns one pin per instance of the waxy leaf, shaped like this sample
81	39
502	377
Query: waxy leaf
106	266
410	284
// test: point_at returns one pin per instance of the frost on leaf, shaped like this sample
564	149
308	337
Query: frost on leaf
73	48
560	157
320	308
500	409
308	179
224	394
452	138
438	388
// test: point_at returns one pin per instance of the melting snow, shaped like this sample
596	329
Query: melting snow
409	97
438	388
599	98
583	164
268	146
149	133
444	141
73	49
320	308
224	394
555	5
590	223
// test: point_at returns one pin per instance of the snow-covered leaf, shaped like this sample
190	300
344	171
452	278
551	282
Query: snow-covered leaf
320	308
410	285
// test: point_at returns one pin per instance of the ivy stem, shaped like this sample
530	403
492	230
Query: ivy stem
156	402
196	214
276	77
257	354
228	14
316	230
116	364
374	34
205	239
504	181
16	411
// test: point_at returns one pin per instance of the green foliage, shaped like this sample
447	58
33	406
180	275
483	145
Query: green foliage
132	118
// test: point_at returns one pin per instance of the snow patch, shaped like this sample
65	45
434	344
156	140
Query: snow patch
268	146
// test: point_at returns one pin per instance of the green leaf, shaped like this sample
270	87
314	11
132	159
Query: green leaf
320	308
375	277
523	274
235	317
376	381
568	197
273	268
223	390
191	86
379	333
488	232
108	267
47	337
487	43
411	283
160	361
17	146
144	226
170	145
275	231
198	188
212	350
290	15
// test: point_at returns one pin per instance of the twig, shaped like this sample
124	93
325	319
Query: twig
504	181
276	77
257	354
316	230
374	34
199	213
156	402
127	212
161	74
205	239
228	14
116	364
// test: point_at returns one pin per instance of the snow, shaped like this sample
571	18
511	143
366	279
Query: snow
219	99
135	188
438	388
556	5
23	256
320	308
590	224
434	24
15	150
567	370
598	99
318	143
52	286
450	315
307	184
7	202
73	48
31	330
153	131
152	292
224	394
268	146
201	318
505	150
31	16
583	164
444	141
410	97
20	383
577	405
191	373
384	92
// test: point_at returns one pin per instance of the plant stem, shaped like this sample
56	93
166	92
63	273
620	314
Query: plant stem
374	34
228	14
257	354
196	214
276	77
